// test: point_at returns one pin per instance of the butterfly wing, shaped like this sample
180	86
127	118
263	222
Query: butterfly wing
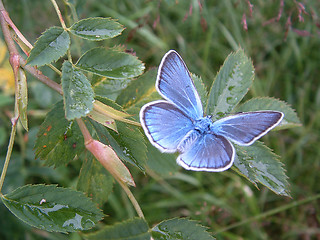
245	128
209	152
174	83
164	124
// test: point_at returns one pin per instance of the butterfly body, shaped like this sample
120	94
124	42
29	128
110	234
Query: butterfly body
178	123
204	125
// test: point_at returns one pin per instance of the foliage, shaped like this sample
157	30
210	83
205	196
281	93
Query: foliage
107	71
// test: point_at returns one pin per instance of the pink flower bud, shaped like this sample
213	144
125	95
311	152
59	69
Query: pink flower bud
109	159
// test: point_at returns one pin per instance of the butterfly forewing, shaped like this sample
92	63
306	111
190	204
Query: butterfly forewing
164	124
174	83
245	128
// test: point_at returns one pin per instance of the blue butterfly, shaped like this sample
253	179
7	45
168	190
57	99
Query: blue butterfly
177	123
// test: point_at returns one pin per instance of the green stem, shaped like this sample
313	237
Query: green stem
8	156
269	213
69	21
55	5
132	198
14	61
87	139
55	69
73	10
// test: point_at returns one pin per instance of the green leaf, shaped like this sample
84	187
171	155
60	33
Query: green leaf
138	93
58	140
95	180
110	63
110	88
77	92
180	229
128	142
132	144
51	45
163	164
96	29
103	119
135	109
22	98
259	164
106	115
138	89
266	103
231	84
53	208
133	229
201	88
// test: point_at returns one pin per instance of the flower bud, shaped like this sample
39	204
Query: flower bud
109	159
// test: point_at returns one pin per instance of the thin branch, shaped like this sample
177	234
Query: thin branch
132	198
9	151
6	32
59	14
15	29
84	130
38	74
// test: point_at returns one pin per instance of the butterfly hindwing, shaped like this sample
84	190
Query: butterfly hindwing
209	152
245	128
174	83
164	124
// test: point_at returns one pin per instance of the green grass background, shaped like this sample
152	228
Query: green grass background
287	65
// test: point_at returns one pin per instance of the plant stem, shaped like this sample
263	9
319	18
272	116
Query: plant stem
15	29
14	61
10	146
55	5
87	139
6	32
84	130
269	213
57	71
14	53
132	198
38	74
73	10
7	19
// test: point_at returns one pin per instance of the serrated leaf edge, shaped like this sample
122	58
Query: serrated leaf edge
277	158
197	223
113	50
70	29
35	44
222	66
47	185
115	225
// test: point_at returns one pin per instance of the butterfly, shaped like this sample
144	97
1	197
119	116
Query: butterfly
178	124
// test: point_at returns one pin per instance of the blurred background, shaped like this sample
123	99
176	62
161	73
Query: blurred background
283	40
